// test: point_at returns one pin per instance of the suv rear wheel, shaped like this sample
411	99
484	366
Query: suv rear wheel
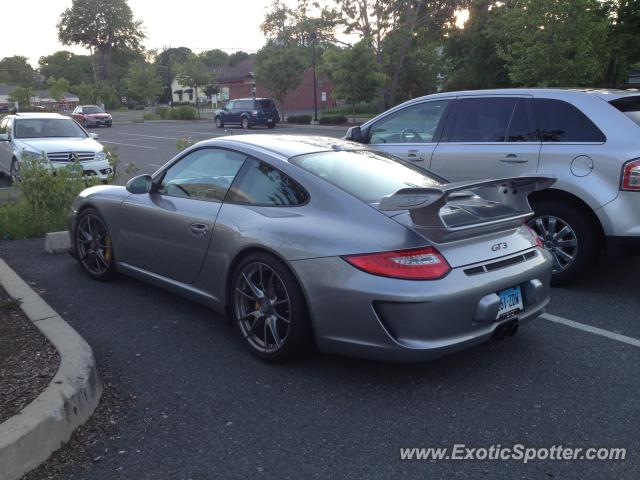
569	235
245	123
219	123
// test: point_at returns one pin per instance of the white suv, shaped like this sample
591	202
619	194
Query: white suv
588	139
25	136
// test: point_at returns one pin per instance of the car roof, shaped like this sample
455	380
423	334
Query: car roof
249	98
39	115
606	94
88	106
289	146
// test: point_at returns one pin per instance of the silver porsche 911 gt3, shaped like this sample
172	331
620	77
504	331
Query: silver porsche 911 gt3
312	240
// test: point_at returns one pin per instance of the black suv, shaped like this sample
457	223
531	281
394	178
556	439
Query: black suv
248	112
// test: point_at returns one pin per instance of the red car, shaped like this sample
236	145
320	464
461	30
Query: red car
91	116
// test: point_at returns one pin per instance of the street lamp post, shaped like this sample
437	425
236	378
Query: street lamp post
315	80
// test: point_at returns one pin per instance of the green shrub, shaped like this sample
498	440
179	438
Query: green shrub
183	113
46	197
299	119
333	119
163	112
150	116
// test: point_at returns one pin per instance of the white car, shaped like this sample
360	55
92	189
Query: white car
27	136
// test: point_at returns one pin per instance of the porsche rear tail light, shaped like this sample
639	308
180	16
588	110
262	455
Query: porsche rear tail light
631	175
415	264
536	237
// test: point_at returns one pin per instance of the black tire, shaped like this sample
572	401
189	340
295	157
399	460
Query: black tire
14	171
245	123
586	234
219	123
82	245
298	335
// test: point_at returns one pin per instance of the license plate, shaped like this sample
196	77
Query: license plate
510	302
269	120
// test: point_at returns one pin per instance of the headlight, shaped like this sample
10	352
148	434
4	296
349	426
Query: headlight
101	156
29	156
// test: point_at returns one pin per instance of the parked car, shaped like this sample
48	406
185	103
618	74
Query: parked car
91	116
248	112
587	138
26	136
312	238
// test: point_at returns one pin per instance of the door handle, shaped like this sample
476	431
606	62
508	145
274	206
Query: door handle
513	158
199	229
413	156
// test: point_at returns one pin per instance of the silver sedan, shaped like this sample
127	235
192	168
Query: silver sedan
306	241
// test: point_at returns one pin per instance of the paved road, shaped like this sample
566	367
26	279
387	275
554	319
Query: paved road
205	408
150	145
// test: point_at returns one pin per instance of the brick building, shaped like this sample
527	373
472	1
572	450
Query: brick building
238	82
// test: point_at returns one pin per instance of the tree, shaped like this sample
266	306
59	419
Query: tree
100	26
280	70
553	43
75	68
622	38
237	58
214	58
193	73
142	82
286	26
57	87
167	62
471	54
22	96
16	70
86	92
354	73
105	92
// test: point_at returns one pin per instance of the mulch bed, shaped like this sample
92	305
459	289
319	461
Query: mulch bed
28	361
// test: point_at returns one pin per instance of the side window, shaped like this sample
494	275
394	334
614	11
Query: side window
261	184
230	105
522	127
414	124
204	174
3	125
560	121
482	119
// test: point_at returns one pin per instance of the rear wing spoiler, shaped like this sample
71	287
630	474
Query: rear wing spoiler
424	204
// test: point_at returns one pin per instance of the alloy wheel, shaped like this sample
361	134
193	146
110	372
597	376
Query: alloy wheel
558	238
93	244
262	307
14	173
245	123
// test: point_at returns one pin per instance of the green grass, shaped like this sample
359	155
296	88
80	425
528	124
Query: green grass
20	220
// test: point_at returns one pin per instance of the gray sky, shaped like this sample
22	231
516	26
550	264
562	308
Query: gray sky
197	24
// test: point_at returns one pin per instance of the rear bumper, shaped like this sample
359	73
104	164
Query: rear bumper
363	315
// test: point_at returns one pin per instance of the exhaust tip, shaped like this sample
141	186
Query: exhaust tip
509	328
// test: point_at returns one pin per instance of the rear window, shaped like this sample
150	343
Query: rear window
630	106
265	104
366	175
560	121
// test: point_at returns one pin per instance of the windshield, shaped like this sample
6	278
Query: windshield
47	127
630	106
92	110
366	175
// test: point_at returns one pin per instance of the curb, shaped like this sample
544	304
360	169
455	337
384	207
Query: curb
27	439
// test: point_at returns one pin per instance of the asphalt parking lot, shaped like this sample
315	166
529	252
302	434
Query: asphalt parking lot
150	145
206	408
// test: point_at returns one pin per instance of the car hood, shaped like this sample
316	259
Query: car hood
58	144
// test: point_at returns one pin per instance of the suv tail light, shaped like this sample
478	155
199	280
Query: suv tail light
631	175
415	264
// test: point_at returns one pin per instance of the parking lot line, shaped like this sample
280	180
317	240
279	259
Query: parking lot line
128	145
595	330
147	136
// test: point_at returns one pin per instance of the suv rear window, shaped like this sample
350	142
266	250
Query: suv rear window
265	104
560	121
366	175
630	106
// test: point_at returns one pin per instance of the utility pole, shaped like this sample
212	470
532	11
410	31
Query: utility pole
315	80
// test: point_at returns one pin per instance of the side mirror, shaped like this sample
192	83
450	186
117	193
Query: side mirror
93	135
140	184
354	134
4	137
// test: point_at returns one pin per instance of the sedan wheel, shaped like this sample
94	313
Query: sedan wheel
269	309
94	246
14	171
